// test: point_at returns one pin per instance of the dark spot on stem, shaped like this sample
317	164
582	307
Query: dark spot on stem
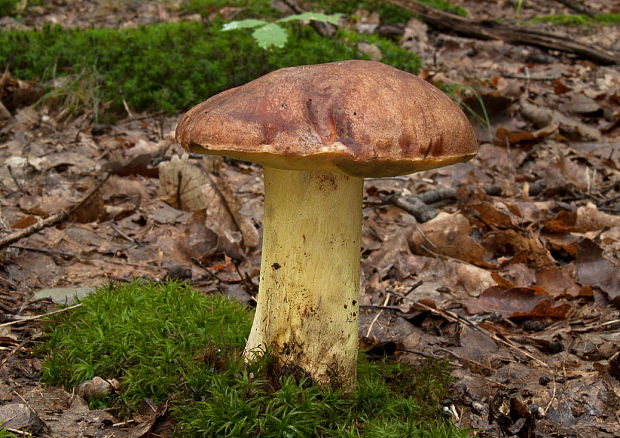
276	266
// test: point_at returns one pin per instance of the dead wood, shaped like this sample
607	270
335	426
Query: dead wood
509	33
52	220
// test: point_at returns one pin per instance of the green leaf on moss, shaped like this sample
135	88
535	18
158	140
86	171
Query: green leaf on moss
313	16
243	24
270	35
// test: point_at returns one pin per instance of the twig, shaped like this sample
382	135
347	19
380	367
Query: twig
52	220
457	318
129	113
31	318
419	353
47	428
12	353
77	257
509	33
209	273
17	183
122	234
530	78
469	361
17	431
552	397
246	280
387	299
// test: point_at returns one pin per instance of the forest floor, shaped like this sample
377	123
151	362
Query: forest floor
508	266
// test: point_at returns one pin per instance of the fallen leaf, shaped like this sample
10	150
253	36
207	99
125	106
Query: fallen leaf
24	222
517	246
447	234
558	282
517	303
595	270
589	218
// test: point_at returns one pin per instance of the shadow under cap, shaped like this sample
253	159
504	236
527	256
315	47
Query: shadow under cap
360	118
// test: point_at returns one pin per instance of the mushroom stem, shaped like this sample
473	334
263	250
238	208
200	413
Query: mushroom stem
308	308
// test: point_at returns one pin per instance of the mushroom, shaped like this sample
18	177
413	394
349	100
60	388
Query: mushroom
318	131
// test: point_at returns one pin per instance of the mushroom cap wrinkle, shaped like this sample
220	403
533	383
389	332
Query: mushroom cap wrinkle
360	118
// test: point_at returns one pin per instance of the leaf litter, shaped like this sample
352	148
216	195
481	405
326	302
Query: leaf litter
506	266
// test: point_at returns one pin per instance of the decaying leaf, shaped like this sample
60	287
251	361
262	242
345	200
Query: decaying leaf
448	235
589	218
517	248
558	282
185	184
517	303
595	270
180	183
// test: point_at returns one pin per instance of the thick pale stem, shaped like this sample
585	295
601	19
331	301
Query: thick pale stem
308	308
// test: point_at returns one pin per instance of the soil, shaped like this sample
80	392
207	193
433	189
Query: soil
507	265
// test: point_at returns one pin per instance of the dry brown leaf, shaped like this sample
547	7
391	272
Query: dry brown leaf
448	235
589	218
248	231
520	248
595	270
517	303
181	183
24	222
558	282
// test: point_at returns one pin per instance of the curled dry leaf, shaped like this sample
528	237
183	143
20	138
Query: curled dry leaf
517	303
595	270
448	235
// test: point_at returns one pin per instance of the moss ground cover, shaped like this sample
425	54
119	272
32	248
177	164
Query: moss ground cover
171	66
388	12
168	342
8	7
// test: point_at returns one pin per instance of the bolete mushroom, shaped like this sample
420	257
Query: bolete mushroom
318	131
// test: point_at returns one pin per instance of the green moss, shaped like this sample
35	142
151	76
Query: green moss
168	342
8	7
171	66
251	8
579	20
388	12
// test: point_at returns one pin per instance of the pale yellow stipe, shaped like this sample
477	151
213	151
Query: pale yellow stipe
307	309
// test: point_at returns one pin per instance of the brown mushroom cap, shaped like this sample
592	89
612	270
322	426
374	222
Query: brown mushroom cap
361	118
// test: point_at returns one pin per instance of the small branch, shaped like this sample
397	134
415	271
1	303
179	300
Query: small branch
18	432
451	316
12	353
36	414
387	299
17	183
509	33
122	234
31	318
52	220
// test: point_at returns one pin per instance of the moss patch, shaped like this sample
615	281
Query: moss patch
171	66
388	12
168	342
